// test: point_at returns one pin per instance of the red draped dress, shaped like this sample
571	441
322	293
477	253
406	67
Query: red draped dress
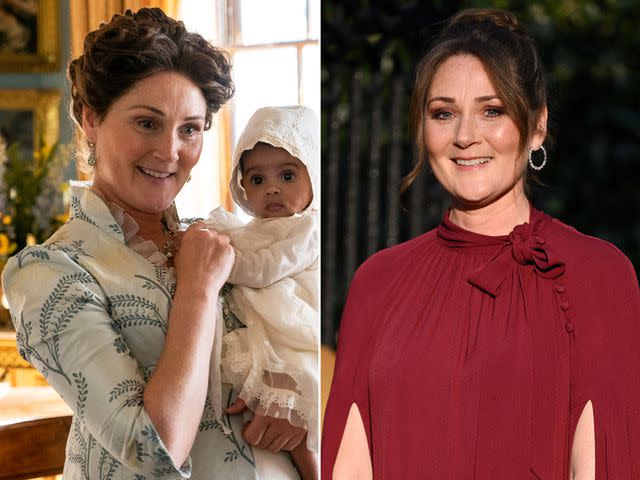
472	356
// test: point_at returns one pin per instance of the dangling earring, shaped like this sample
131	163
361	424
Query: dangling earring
544	159
92	155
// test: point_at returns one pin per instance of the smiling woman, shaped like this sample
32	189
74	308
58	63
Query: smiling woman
162	117
120	320
473	144
503	343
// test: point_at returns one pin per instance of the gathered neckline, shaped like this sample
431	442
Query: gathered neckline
462	240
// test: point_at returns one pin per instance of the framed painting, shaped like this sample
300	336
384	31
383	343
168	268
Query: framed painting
29	35
30	117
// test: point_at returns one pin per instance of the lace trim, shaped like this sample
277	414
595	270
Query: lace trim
273	394
145	248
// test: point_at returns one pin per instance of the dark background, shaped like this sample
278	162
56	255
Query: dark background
369	53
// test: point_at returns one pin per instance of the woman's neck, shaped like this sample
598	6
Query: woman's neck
149	224
497	218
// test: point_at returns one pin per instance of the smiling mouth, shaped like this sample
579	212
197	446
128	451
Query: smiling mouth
472	162
154	173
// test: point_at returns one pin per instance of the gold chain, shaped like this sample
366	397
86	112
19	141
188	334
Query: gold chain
167	249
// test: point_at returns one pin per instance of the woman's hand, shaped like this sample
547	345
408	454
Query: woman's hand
273	434
204	256
175	394
306	461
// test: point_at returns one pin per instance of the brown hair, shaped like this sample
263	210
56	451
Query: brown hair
508	53
134	46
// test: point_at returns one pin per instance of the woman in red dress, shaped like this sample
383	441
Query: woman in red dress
503	344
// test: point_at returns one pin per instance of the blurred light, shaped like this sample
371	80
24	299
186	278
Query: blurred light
311	77
263	77
263	22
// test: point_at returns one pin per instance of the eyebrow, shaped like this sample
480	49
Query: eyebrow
484	98
161	113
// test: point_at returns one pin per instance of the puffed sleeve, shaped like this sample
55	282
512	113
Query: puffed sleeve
353	357
63	328
606	365
259	268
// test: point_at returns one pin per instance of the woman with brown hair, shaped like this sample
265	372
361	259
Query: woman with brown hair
503	344
121	322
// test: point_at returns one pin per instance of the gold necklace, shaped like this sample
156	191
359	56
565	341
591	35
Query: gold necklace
169	244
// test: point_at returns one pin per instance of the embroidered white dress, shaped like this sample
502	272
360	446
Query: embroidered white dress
91	314
273	363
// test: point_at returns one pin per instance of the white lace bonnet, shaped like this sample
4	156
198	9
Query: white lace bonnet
296	129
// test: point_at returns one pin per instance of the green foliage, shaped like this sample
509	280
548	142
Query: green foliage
31	190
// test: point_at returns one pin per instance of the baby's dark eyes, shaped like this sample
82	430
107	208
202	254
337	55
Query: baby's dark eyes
288	176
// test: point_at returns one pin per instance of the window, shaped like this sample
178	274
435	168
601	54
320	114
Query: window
275	52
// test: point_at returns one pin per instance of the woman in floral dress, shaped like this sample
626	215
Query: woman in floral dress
117	319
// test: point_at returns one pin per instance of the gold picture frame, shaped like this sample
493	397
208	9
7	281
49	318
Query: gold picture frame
30	116
15	369
29	39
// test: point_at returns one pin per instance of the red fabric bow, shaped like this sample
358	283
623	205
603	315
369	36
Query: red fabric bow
527	246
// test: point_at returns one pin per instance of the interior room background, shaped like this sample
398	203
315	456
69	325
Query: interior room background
276	61
369	53
274	46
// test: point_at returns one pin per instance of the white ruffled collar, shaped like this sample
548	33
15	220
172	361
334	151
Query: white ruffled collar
130	228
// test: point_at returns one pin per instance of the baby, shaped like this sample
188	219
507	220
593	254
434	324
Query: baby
272	362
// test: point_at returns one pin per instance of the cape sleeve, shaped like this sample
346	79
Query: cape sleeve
607	364
63	328
350	382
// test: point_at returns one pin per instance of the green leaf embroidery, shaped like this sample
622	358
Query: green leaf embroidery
231	456
78	213
133	389
83	391
32	355
135	311
164	283
36	252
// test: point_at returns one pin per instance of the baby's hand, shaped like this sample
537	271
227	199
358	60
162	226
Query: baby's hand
273	434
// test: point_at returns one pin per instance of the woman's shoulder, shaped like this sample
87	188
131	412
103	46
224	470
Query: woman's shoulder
43	262
396	258
61	254
586	253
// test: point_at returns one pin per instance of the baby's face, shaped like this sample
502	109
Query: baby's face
277	183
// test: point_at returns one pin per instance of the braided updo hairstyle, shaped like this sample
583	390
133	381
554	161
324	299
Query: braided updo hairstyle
134	46
510	57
